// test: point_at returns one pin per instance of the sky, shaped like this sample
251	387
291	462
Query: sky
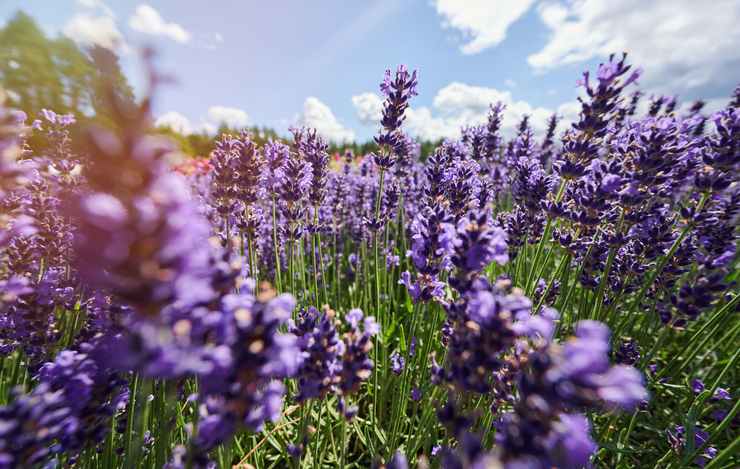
280	63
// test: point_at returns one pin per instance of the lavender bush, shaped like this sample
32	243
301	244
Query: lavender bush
528	301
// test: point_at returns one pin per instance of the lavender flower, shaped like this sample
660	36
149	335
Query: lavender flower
481	331
31	423
697	386
432	243
11	174
321	347
575	375
398	461
312	149
92	393
139	234
628	352
356	363
240	378
677	439
397	91
477	245
397	363
224	190
276	155
248	167
70	409
295	189
581	146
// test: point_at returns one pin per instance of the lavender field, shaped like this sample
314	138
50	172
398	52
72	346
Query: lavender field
564	298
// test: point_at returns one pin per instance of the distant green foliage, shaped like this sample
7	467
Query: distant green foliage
53	73
38	72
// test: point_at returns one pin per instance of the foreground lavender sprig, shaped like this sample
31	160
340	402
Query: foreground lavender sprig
543	430
139	235
241	387
69	410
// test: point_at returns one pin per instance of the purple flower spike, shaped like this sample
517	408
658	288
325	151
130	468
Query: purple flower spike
397	363
697	386
398	92
571	444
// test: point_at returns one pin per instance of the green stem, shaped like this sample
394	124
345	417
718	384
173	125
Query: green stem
545	238
663	261
275	246
728	452
130	418
377	353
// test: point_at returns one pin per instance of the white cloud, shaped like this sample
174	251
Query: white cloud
460	105
569	111
369	107
319	116
421	123
483	22
91	30
210	41
710	105
455	106
681	43
175	121
230	116
147	20
215	117
96	5
510	83
209	128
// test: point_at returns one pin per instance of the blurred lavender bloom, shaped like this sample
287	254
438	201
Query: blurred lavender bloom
697	386
677	439
398	461
397	363
577	374
571	444
356	363
321	347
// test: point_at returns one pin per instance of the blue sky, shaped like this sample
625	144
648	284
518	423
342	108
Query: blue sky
281	62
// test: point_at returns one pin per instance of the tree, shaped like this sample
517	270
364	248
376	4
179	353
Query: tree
28	69
106	69
76	73
39	72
